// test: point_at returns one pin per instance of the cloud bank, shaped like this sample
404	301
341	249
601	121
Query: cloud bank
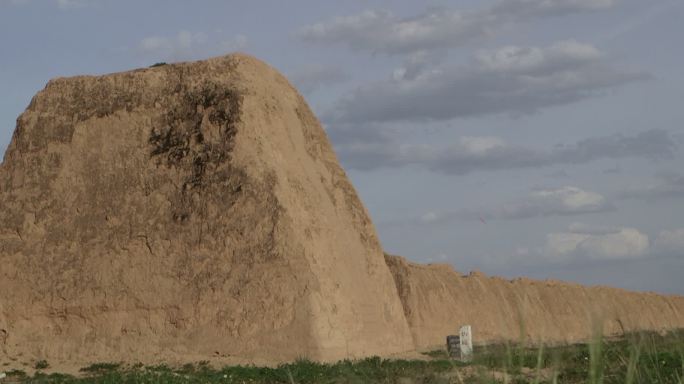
667	186
618	244
187	45
487	153
438	28
513	80
311	78
564	201
583	241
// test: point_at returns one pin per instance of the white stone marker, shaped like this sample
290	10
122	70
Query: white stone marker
466	335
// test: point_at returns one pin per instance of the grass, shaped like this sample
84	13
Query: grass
636	358
371	370
643	358
100	368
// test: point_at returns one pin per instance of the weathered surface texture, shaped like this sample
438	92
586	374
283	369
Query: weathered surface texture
186	211
437	300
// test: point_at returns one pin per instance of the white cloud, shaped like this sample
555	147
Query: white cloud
366	147
310	78
65	4
154	43
62	4
236	43
187	45
383	31
511	58
481	144
560	55
667	186
571	198
592	229
438	28
176	47
524	9
625	243
594	245
513	80
564	201
671	241
429	217
418	64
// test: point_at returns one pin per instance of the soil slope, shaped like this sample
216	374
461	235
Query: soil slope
437	300
186	211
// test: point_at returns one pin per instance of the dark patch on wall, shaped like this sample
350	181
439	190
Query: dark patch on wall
179	141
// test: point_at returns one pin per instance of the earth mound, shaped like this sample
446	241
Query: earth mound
186	211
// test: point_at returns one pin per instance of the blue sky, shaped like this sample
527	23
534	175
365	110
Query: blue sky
518	137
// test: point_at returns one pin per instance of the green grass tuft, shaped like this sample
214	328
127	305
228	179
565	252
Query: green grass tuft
41	364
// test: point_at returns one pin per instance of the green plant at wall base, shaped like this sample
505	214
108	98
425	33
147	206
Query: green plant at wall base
642	358
101	368
41	364
596	361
